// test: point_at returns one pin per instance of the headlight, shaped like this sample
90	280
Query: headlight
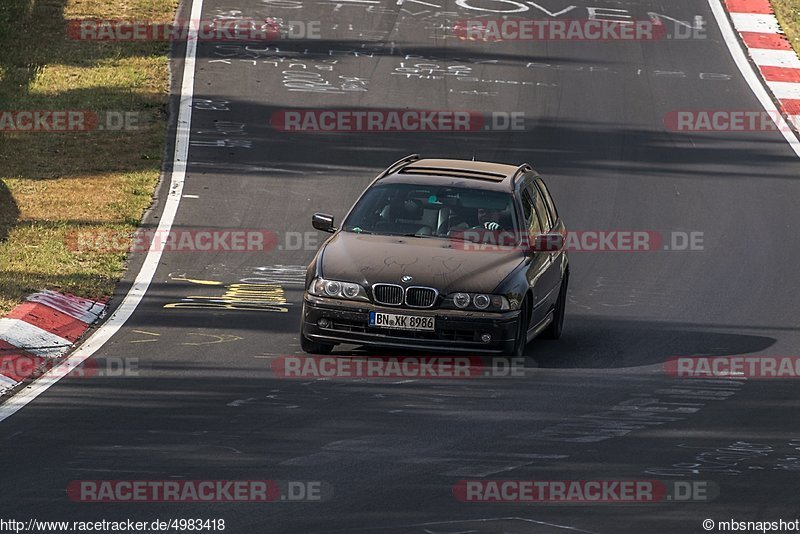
332	289
480	301
335	289
461	300
350	291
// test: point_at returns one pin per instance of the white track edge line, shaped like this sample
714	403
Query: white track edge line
151	261
750	76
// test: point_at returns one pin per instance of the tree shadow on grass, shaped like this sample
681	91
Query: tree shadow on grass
33	37
23	23
9	211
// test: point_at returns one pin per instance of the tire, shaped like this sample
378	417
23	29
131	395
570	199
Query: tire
557	325
521	337
313	347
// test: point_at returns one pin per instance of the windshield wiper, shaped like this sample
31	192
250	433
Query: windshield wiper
415	235
456	238
453	237
396	235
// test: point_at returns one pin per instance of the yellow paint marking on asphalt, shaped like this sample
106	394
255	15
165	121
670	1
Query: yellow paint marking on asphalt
144	340
251	297
214	305
225	300
195	281
221	338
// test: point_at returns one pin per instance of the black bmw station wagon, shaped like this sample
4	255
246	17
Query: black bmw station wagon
442	255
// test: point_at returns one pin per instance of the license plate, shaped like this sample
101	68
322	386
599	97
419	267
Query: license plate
401	322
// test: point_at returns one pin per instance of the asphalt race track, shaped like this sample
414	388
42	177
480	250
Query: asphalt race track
205	404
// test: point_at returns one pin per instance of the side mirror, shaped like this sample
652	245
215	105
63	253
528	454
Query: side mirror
551	242
323	222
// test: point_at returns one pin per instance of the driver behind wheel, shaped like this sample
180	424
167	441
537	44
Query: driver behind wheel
487	219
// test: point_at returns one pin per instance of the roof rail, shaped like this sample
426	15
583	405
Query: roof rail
520	170
397	164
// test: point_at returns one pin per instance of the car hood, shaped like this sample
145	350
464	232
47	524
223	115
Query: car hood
447	265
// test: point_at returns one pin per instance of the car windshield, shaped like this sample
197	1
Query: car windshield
432	211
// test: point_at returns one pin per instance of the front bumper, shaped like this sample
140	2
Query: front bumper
456	331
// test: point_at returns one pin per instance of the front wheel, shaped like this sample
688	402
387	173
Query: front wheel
557	325
313	347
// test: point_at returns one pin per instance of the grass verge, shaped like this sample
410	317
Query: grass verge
788	13
55	184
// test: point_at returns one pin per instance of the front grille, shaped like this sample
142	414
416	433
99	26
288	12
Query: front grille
420	297
388	294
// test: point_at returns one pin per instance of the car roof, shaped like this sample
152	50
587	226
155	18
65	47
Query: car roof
456	172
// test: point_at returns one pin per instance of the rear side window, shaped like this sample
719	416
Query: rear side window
541	210
551	207
531	220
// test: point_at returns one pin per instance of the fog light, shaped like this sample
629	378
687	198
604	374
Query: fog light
486	338
323	323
